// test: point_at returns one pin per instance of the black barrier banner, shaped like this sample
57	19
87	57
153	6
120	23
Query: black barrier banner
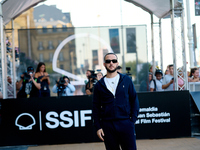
69	119
163	115
46	121
196	97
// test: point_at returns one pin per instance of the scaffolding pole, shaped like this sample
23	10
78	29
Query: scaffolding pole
190	36
161	50
13	61
3	57
173	44
152	44
183	49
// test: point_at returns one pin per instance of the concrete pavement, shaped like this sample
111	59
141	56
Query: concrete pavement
149	144
154	144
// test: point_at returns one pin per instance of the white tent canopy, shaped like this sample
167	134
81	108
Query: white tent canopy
160	8
13	8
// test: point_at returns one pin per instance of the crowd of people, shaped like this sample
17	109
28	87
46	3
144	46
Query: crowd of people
37	83
165	82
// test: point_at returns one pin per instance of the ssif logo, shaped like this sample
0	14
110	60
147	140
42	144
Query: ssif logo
25	121
53	120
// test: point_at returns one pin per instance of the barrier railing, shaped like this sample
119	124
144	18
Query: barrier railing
194	86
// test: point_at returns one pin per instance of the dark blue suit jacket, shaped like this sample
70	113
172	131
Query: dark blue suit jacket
123	105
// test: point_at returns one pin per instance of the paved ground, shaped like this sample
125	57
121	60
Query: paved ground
156	144
160	144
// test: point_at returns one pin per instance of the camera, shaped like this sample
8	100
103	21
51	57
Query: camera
61	81
26	76
94	77
128	71
61	86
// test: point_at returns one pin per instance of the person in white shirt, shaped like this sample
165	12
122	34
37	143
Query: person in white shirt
156	85
63	87
168	80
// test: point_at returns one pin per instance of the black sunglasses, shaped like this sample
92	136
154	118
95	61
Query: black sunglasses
108	61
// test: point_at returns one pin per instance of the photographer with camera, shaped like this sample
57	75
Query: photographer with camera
92	80
28	85
63	87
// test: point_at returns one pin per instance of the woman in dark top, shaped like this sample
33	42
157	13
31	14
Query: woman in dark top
89	87
43	76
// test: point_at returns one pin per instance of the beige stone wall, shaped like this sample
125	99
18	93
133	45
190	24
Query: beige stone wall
37	35
21	22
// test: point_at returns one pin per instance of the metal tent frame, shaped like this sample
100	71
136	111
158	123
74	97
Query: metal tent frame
10	9
174	8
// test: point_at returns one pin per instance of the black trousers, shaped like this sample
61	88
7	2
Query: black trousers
119	134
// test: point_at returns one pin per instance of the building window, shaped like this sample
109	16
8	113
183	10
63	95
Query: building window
50	56
59	41
64	28
40	45
44	29
39	30
131	40
61	66
61	58
54	29
49	30
114	40
59	29
50	45
41	58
